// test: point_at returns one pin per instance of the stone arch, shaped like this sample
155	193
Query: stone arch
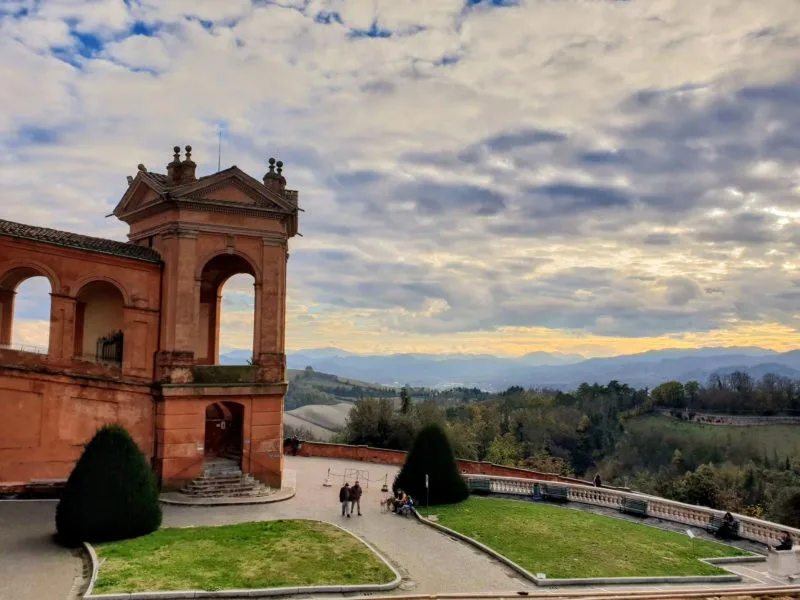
224	430
254	266
99	321
15	275
80	284
17	271
214	274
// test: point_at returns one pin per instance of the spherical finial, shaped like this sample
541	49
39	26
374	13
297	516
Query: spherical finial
176	149
280	163
177	155
142	168
271	161
188	148
188	153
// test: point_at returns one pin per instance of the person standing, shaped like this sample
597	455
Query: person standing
597	481
355	498
344	498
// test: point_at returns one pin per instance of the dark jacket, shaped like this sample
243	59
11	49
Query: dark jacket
355	492
786	544
344	494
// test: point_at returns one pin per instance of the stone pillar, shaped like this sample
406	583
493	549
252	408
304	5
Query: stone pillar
62	326
180	303
6	316
270	313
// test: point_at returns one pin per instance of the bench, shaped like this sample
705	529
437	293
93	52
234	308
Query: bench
555	493
715	522
481	486
634	506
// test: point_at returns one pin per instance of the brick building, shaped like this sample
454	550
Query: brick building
134	329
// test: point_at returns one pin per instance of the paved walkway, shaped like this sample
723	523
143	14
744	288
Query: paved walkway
32	566
429	561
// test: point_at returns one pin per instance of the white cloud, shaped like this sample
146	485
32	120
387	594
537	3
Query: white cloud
658	82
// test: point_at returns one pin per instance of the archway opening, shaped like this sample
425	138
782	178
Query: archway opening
99	335
25	310
224	428
227	309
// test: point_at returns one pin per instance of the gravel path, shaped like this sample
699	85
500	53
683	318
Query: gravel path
32	566
429	561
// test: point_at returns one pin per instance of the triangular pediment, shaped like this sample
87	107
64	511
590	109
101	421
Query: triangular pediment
233	186
141	192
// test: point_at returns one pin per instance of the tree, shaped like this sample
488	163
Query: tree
111	493
432	455
505	450
405	400
669	393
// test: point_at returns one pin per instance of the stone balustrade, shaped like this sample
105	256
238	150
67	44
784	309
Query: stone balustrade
694	516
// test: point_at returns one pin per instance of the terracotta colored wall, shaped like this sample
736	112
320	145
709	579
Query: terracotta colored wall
180	430
45	419
398	457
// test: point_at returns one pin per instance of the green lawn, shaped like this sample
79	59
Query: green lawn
249	555
566	543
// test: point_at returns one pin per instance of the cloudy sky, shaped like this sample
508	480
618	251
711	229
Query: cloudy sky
590	176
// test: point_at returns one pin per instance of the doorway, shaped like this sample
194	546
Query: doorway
224	426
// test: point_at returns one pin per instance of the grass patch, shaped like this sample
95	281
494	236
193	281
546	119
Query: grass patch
734	442
566	543
243	556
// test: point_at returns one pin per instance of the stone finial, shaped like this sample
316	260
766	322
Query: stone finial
174	170
176	158
130	180
275	180
142	168
188	167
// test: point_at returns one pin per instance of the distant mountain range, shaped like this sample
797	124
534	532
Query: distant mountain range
539	369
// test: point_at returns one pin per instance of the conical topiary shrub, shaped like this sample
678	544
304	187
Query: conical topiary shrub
111	493
431	454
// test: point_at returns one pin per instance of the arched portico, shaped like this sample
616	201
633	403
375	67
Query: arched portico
10	282
216	272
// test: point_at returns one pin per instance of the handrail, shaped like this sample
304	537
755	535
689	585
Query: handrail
750	528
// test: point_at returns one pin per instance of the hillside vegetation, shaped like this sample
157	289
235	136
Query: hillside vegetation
616	430
307	386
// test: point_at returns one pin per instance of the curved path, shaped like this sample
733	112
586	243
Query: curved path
32	565
428	561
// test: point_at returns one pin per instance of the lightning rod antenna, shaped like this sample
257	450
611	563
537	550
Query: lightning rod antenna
219	150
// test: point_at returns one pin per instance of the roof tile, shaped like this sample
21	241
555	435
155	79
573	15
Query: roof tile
75	240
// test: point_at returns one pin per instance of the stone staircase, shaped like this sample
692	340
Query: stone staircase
222	477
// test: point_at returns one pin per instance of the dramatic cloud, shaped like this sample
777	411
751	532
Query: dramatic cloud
580	175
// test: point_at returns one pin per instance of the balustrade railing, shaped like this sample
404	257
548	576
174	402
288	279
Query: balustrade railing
695	516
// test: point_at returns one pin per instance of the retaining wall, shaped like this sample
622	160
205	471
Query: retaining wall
398	457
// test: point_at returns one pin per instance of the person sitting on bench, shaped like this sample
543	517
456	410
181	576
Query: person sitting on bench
727	528
786	542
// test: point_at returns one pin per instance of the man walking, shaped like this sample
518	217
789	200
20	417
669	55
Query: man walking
355	498
344	498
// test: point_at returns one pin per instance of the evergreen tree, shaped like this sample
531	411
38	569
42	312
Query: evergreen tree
432	455
111	493
405	400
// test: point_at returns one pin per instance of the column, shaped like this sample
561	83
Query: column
270	309
6	316
62	326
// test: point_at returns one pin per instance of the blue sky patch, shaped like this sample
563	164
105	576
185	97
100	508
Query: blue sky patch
374	31
328	17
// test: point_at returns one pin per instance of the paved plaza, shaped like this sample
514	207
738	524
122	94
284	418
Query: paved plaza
32	567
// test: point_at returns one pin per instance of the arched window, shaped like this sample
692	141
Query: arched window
25	310
227	310
99	323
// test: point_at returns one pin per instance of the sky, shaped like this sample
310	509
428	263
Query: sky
596	177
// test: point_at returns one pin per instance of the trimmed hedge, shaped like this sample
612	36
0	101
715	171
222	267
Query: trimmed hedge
111	493
432	454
